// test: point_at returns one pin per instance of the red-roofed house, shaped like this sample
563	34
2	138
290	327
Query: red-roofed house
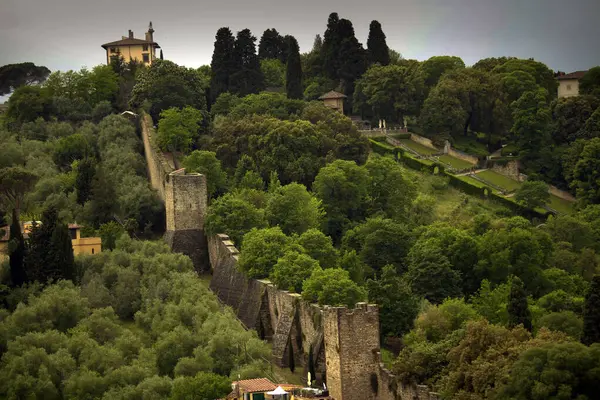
130	48
251	389
568	84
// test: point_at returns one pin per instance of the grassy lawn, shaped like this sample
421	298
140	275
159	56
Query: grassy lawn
560	205
499	180
454	162
419	148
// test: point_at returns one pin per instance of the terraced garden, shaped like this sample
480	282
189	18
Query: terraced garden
419	148
499	180
454	162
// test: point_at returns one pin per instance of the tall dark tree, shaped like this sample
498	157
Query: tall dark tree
591	314
13	76
17	251
518	310
83	182
331	47
248	77
37	262
317	44
102	202
60	253
271	45
222	64
161	55
293	73
352	60
379	52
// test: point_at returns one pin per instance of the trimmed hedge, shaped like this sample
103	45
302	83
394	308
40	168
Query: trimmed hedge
382	148
519	208
403	135
481	191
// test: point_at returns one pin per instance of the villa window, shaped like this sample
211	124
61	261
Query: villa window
113	50
568	87
145	47
146	58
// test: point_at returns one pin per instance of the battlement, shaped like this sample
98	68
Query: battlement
186	204
360	308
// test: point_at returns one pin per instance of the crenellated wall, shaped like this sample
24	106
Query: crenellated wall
157	164
338	346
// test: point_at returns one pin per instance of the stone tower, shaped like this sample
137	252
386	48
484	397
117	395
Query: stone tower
185	206
352	351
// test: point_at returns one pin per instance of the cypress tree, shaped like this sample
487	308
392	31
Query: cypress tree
331	47
37	262
102	199
377	47
591	314
518	309
83	182
293	73
17	251
271	45
161	55
61	262
222	64
248	77
352	60
317	44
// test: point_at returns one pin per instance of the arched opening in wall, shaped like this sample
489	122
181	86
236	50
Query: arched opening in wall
290	351
264	325
374	383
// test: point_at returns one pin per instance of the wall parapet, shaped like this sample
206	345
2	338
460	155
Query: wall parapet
337	345
157	164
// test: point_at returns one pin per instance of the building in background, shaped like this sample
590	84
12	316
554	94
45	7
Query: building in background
334	100
86	245
568	84
130	48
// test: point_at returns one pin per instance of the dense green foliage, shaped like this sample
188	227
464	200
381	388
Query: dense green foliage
141	324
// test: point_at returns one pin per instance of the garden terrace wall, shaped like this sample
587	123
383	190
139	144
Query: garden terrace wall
422	140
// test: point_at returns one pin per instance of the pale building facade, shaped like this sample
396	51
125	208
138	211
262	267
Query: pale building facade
568	84
130	48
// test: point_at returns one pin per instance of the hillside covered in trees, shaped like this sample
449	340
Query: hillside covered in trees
475	301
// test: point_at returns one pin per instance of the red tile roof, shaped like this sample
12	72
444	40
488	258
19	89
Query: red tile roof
572	75
75	226
255	385
129	42
333	95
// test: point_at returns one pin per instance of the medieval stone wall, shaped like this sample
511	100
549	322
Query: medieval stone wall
338	346
292	325
186	206
158	166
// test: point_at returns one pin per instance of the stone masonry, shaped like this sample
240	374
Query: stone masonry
185	206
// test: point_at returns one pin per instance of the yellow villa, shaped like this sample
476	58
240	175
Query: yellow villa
130	48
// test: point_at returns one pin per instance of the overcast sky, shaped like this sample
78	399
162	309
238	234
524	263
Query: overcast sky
67	34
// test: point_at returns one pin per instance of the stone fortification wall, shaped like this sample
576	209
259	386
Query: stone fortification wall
185	206
337	345
351	351
158	166
292	325
422	140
